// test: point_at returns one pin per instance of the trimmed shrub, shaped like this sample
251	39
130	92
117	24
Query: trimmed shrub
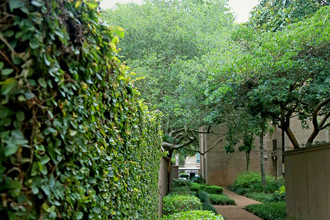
270	211
193	215
180	203
195	186
181	190
217	199
212	189
261	197
76	141
199	180
179	182
206	203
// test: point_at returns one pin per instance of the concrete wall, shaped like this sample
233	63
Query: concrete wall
307	181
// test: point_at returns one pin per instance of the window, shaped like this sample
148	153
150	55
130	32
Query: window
198	156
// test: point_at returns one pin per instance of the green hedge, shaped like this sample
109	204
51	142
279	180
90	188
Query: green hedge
212	189
206	203
217	199
179	182
270	211
193	215
196	186
180	203
260	196
76	142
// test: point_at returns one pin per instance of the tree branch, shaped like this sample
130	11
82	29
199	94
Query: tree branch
197	151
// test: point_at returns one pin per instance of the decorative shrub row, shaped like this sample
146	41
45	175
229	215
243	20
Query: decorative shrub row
180	203
212	189
270	211
182	190
217	199
194	215
260	196
195	186
180	182
76	142
206	203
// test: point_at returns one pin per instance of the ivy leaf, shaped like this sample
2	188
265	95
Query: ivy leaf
79	215
20	116
10	149
6	72
13	4
44	160
42	82
8	85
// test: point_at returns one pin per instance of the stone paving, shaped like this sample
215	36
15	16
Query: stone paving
237	212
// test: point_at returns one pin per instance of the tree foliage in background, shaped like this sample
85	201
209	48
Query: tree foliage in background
76	142
173	46
281	75
274	15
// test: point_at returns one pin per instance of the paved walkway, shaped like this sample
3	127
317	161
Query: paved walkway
237	212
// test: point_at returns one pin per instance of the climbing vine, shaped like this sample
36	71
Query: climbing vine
76	142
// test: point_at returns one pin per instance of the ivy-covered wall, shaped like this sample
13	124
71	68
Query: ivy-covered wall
76	142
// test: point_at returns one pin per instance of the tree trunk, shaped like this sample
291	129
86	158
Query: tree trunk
247	155
262	168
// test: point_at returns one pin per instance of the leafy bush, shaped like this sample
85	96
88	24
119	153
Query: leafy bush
199	180
76	142
180	203
212	189
195	186
181	190
270	211
217	199
261	197
251	182
194	215
179	182
206	203
279	195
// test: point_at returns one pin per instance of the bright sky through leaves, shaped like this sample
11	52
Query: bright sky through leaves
241	8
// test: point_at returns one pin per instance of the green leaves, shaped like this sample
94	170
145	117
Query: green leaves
8	85
70	118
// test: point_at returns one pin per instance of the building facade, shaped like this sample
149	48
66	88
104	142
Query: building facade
221	168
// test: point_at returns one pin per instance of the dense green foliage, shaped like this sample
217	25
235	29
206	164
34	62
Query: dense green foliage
206	203
260	196
180	182
270	211
171	46
217	199
273	15
180	203
195	186
76	143
212	189
194	215
251	182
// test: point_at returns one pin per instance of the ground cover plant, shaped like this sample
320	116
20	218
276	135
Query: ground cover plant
206	203
270	211
217	199
180	203
76	141
193	215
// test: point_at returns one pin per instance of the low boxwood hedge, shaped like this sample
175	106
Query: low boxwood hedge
206	203
261	197
217	199
196	186
179	203
212	189
194	215
178	182
270	211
